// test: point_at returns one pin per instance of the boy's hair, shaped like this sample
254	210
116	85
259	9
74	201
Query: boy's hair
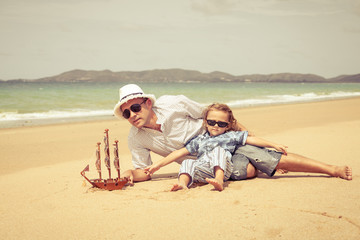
224	108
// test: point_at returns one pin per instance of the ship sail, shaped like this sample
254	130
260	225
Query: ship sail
116	158
107	151
98	160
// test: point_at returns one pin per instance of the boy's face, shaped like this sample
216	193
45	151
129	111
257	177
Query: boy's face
218	116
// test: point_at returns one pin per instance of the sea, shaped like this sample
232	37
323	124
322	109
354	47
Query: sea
27	104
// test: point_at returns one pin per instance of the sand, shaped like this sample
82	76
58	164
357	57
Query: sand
43	195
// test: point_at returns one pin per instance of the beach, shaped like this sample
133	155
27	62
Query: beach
44	196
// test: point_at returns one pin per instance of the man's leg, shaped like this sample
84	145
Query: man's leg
251	171
242	168
297	163
268	161
248	159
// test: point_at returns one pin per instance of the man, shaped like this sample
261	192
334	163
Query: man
167	124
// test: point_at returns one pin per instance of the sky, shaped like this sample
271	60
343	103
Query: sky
42	38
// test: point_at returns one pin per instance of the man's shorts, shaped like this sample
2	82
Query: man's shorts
262	159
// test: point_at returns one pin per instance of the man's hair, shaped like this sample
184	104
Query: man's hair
224	108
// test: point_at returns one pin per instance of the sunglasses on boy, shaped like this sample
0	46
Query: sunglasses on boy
219	123
134	108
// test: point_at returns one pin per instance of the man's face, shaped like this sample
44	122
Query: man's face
141	118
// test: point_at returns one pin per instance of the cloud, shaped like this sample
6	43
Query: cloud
275	7
356	9
143	34
5	54
213	7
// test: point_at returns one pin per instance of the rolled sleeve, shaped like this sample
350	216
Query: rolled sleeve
193	145
239	136
244	137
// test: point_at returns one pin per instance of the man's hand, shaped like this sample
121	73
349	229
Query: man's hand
129	176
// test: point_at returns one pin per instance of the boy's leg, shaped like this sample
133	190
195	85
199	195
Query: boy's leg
297	163
222	167
218	181
183	182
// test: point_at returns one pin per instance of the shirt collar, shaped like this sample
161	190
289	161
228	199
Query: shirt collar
160	120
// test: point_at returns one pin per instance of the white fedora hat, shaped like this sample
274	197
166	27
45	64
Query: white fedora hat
128	92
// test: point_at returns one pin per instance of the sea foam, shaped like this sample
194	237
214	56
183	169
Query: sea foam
283	99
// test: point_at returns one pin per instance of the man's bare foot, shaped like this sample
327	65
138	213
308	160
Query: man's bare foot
343	172
218	185
281	171
177	186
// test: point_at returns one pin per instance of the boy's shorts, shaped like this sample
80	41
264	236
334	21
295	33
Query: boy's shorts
262	159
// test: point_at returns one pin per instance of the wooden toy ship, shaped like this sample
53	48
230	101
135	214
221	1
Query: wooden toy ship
110	183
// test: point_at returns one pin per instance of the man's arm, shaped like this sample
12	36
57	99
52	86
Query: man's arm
137	175
140	158
243	128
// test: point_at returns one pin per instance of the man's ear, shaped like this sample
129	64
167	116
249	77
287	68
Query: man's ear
149	103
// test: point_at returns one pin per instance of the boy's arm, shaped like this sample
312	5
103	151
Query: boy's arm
264	143
175	155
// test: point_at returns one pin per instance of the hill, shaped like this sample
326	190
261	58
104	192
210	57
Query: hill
181	75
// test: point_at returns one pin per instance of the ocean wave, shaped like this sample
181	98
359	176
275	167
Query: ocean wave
265	100
53	114
297	98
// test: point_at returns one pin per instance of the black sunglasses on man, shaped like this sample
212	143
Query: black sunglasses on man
134	108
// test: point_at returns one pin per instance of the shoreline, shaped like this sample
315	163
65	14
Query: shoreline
11	124
52	121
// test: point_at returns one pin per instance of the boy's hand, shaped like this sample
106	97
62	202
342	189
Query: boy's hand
151	169
281	148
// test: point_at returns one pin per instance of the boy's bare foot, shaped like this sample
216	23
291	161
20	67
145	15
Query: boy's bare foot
343	172
218	185
177	186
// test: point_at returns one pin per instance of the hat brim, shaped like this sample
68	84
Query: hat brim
117	111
